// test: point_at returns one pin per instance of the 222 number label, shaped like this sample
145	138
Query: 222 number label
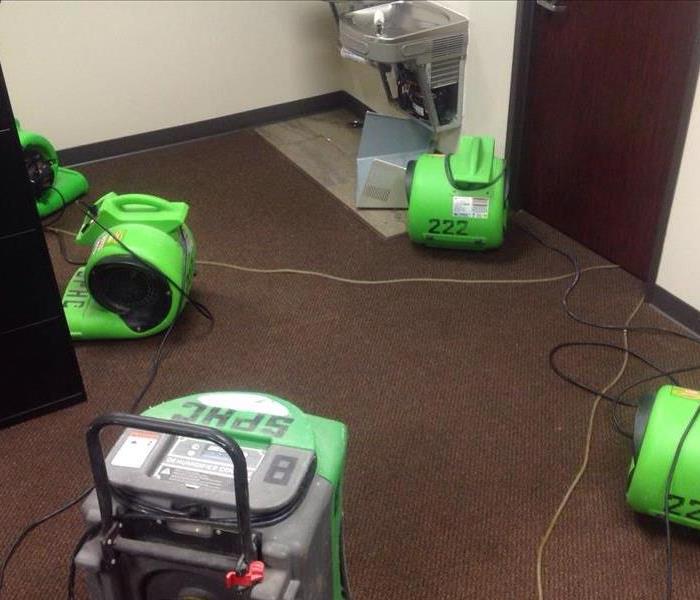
447	226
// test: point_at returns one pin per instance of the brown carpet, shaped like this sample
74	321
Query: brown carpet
462	441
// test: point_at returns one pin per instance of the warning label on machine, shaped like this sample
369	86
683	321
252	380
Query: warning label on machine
193	479
470	206
135	449
197	464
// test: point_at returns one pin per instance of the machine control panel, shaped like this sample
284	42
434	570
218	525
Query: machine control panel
196	464
188	468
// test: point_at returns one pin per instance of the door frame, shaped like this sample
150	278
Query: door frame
520	80
519	86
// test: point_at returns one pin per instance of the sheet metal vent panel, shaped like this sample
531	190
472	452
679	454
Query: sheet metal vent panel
387	144
444	72
449	46
377	193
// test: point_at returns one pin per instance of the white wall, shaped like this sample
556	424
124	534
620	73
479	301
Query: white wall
487	72
108	69
679	271
81	72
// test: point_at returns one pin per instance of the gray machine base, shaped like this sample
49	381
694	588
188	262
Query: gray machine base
296	552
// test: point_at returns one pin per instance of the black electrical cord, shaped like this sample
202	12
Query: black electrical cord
61	211
87	534
614	399
31	527
64	252
584	321
155	365
647	380
618	400
59	236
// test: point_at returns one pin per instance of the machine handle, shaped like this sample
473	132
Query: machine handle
240	472
126	201
469	187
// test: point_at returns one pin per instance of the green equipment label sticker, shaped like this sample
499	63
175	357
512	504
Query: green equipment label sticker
470	206
77	294
114	237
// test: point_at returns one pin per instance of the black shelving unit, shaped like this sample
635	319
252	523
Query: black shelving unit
39	370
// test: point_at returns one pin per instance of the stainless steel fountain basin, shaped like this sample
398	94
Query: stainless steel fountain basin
400	31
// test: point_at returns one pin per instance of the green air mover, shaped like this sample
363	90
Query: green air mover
52	185
216	496
140	269
457	200
659	425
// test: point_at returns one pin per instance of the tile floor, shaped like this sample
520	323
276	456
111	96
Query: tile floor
325	146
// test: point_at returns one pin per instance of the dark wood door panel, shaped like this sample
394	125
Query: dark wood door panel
607	79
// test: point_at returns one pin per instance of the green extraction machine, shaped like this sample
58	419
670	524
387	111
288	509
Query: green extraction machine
216	496
53	186
458	200
659	427
139	273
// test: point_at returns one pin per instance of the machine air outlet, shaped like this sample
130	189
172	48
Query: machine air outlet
376	192
444	72
448	46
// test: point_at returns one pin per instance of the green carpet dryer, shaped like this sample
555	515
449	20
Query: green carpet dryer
216	496
659	425
458	200
52	184
121	294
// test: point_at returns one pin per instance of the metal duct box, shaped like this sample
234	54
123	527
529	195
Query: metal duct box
387	144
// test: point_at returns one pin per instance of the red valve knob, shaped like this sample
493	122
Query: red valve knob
254	574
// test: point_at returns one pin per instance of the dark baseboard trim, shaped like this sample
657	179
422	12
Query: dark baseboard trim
201	129
356	106
673	307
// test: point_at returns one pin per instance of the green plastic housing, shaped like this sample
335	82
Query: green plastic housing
68	184
458	200
325	437
155	230
659	426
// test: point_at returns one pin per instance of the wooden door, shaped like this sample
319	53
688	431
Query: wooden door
603	118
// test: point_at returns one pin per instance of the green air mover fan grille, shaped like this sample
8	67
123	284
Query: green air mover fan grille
53	186
39	170
139	294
